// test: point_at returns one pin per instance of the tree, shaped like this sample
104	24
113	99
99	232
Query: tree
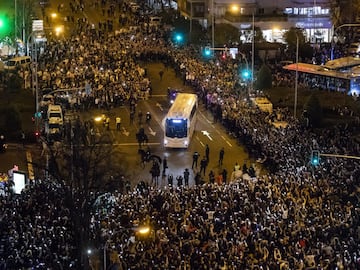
313	110
259	37
12	119
226	34
291	36
344	11
264	78
83	168
13	81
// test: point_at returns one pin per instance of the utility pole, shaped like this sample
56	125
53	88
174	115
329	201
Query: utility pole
213	24
296	75
252	50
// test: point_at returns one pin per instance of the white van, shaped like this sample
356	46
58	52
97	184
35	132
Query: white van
53	129
54	114
21	61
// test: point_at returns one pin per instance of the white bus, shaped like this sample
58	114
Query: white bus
180	121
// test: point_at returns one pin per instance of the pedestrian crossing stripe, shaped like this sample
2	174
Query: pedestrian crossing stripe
30	165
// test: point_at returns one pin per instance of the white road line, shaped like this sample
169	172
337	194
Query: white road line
200	141
30	166
132	144
119	144
113	135
226	141
207	120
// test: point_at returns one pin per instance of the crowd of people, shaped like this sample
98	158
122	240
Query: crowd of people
293	217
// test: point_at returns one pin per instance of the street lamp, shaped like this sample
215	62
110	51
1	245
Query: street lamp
296	74
142	230
252	51
213	24
34	76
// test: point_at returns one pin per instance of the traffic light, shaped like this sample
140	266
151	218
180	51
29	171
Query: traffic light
178	37
38	115
246	74
4	25
207	51
315	157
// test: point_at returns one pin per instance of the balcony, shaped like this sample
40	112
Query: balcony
230	17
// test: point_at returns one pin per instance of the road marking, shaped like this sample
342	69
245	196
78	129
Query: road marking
154	116
30	165
207	120
126	133
152	132
160	107
116	144
113	135
207	134
226	141
200	141
132	144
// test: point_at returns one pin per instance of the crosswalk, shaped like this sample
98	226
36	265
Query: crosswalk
30	166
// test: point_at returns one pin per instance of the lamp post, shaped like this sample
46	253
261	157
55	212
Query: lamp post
143	230
252	50
296	74
34	77
213	24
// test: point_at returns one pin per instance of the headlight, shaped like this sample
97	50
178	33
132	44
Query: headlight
165	142
186	143
98	118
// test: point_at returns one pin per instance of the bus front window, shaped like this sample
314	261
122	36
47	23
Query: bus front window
176	128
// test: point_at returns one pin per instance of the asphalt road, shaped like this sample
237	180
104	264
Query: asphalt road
206	132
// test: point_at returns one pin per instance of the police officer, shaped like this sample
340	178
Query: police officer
2	143
186	176
140	115
148	118
207	152
203	165
195	160
107	123
221	156
118	123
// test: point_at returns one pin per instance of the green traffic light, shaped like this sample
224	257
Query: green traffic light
4	25
246	74
207	52
315	158
178	37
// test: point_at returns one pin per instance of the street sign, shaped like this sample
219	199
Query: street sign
37	25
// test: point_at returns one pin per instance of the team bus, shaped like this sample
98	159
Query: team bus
179	123
342	74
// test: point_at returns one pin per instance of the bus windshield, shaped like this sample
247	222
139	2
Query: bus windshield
176	128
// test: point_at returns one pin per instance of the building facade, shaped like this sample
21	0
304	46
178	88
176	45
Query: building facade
272	17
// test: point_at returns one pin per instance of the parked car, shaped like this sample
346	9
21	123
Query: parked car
17	62
46	101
